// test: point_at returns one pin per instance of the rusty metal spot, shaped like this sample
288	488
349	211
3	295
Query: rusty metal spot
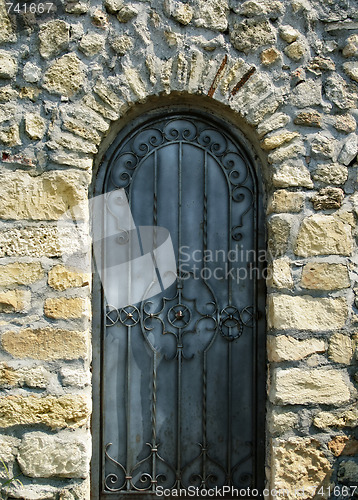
243	80
217	77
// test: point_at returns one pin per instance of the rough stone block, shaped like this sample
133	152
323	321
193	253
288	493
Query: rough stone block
6	29
40	241
333	173
298	464
8	448
121	44
328	198
251	34
270	56
341	419
281	421
64	455
113	6
85	116
340	93
29	376
135	82
14	301
65	76
91	44
31	72
77	127
285	201
35	126
297	386
348	472
340	349
345	123
8	94
46	343
211	14
60	139
276	140
46	197
61	278
69	411
351	48
54	37
285	348
342	445
349	150
307	94
309	119
287	312
75	377
322	63
280	271
323	235
126	13
181	12
66	308
10	136
8	65
325	276
292	175
284	153
100	19
337	444
351	69
71	160
295	51
278	235
107	95
323	146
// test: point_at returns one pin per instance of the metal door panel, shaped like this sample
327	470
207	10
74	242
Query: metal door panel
180	371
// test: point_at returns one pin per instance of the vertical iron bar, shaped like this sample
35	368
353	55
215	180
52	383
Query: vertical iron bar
205	204
154	422
154	381
155	190
179	202
205	444
205	245
229	409
255	344
129	349
229	247
229	349
179	346
128	368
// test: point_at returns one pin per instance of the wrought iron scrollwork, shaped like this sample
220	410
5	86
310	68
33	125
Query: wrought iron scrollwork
128	315
183	325
230	323
126	480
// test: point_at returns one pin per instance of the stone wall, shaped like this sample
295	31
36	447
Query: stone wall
286	72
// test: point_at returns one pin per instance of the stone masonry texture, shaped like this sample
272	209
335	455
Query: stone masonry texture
286	73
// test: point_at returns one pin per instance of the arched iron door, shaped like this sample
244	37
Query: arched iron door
183	378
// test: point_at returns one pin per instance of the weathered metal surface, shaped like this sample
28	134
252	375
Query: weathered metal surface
180	369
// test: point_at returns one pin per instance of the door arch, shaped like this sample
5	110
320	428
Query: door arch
183	368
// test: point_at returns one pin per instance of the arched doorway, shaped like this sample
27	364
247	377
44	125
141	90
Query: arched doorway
182	357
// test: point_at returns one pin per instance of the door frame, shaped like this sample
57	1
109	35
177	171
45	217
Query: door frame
228	124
